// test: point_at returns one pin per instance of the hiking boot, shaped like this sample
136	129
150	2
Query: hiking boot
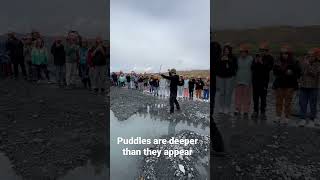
302	123
95	90
255	115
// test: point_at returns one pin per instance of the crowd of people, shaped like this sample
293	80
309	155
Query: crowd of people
72	56
248	75
188	88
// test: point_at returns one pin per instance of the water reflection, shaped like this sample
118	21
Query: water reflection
96	167
145	124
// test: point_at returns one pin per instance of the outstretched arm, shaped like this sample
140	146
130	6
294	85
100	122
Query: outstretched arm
166	77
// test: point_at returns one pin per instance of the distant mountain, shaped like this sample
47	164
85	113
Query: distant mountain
300	38
307	34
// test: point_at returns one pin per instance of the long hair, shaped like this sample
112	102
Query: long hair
230	50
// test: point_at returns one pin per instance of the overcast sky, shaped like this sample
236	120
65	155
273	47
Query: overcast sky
146	34
230	14
51	17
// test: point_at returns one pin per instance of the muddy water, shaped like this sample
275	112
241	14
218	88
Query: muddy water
144	125
6	170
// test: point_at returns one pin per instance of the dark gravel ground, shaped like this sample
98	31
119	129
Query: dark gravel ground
47	131
265	150
125	103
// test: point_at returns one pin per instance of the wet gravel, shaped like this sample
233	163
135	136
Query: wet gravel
180	167
47	131
261	149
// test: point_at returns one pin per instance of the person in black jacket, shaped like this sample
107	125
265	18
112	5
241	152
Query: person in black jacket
192	83
15	48
261	67
286	71
59	57
226	69
101	54
174	81
199	88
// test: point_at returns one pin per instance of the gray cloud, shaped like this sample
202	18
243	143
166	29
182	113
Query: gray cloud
146	34
51	17
229	14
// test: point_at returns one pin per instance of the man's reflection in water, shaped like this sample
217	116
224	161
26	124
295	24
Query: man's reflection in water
99	158
172	127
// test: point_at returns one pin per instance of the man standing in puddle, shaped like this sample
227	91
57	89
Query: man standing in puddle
174	82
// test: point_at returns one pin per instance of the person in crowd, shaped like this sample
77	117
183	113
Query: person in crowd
261	68
191	84
100	56
14	47
199	88
128	78
5	64
151	87
226	69
174	81
27	48
163	85
114	77
215	55
122	80
206	90
140	82
72	58
83	64
145	82
39	58
132	80
156	86
286	71
243	82
309	83
186	88
216	140
59	60
180	87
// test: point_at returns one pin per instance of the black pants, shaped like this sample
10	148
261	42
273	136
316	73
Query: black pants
259	98
40	68
190	93
16	69
173	100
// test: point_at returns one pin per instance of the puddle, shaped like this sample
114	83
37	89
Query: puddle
144	125
90	171
95	169
6	170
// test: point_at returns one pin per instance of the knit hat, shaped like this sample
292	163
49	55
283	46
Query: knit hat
173	71
264	45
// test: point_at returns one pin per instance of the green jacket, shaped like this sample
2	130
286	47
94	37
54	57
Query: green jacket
39	56
72	53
